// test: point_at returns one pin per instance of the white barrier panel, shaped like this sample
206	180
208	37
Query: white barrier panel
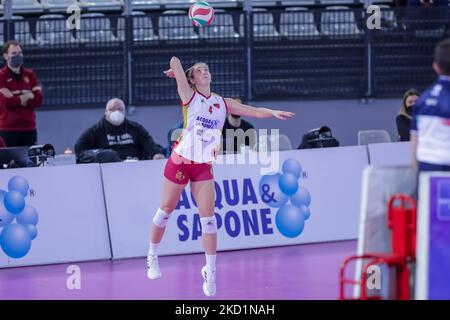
132	193
379	185
390	154
253	210
63	212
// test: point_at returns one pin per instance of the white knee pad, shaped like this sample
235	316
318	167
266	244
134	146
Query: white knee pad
209	224
161	218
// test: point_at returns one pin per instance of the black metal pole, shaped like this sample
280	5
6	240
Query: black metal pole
249	47
128	56
8	20
369	54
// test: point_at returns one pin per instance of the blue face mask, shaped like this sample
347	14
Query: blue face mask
16	61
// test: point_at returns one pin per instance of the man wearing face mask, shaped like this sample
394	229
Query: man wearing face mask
115	132
235	138
20	94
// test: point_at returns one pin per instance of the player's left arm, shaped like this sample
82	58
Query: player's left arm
237	108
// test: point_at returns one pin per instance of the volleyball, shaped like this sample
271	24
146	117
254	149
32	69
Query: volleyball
201	14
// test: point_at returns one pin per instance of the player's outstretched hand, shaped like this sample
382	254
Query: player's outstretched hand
283	115
169	73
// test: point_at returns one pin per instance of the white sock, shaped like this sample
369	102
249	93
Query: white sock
210	262
153	249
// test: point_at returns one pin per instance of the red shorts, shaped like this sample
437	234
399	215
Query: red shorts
180	170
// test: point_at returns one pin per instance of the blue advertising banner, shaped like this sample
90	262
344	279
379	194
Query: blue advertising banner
433	237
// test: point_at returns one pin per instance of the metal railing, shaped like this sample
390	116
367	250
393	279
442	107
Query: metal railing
282	53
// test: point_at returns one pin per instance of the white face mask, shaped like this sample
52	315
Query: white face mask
116	118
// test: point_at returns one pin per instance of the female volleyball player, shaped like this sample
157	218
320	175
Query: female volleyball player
192	157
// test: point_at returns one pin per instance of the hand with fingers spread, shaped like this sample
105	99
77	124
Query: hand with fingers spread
283	115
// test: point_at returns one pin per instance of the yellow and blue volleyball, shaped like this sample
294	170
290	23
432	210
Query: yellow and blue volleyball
201	14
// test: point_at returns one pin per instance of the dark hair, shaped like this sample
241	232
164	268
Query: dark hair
410	92
9	44
403	108
442	56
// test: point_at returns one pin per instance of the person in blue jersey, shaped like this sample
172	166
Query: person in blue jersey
430	126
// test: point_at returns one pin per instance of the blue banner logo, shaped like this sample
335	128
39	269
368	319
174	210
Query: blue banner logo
284	192
17	219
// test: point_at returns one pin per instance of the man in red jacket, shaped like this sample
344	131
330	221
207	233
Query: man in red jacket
20	93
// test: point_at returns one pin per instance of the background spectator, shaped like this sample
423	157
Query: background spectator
404	115
20	94
130	139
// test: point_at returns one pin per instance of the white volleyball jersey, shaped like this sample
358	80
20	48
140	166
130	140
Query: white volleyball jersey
203	120
431	123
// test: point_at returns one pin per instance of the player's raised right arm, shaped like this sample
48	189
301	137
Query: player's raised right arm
176	71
